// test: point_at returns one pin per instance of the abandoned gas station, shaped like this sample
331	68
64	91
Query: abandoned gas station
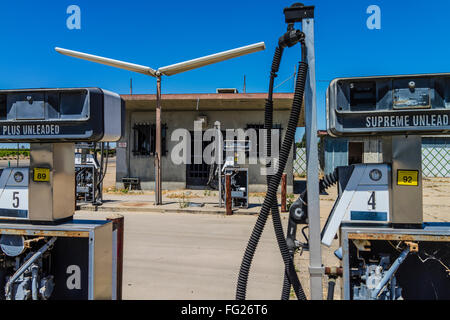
136	149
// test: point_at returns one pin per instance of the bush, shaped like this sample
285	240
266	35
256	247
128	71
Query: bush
13	152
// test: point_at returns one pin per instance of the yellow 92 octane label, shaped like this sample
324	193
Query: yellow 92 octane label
408	178
41	174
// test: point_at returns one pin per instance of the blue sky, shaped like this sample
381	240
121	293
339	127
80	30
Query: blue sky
412	39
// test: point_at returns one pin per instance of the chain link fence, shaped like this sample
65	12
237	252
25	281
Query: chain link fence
436	161
300	162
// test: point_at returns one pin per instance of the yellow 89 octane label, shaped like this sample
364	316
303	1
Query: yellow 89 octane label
41	174
408	178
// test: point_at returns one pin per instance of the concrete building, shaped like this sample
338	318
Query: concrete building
135	152
346	151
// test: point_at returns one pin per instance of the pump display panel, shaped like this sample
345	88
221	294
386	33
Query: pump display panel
61	115
415	104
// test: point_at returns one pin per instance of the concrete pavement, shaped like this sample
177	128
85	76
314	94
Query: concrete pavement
186	256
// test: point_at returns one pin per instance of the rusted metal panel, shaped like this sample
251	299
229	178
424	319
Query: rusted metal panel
72	229
46	233
229	200
283	192
334	271
398	237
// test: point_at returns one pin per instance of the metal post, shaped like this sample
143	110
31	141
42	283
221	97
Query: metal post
99	188
229	200
283	192
219	160
315	261
118	229
158	196
404	153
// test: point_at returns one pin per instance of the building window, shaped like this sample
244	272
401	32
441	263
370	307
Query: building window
144	139
258	127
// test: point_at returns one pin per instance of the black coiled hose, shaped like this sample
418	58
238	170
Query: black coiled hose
278	228
268	111
328	181
271	196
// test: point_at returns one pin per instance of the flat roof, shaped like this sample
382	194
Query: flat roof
210	102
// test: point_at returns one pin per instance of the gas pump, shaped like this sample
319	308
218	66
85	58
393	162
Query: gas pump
386	251
90	171
239	175
45	253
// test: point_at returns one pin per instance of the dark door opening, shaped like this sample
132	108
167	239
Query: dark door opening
197	174
355	152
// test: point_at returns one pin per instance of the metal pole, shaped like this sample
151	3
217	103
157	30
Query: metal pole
118	228
229	200
219	161
158	196
99	187
316	269
283	192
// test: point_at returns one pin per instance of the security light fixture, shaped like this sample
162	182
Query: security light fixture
166	71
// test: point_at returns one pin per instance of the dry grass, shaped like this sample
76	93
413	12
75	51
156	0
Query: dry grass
183	195
113	190
257	194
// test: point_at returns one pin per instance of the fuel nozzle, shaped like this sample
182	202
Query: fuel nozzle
290	38
298	211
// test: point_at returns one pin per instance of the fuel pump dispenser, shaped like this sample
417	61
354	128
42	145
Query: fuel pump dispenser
45	253
239	175
90	171
386	251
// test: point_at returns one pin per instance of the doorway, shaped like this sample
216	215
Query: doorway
355	152
197	174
